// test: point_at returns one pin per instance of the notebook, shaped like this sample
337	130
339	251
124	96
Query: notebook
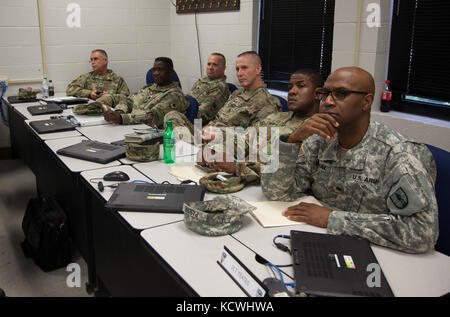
165	198
336	265
93	151
52	125
45	109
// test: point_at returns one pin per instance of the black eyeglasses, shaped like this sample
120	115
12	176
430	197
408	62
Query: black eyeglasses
338	94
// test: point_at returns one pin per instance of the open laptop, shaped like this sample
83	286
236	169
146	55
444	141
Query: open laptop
52	125
45	109
336	265
93	151
166	198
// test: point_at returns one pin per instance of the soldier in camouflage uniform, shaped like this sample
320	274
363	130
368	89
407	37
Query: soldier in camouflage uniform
378	184
245	107
302	103
151	103
211	91
98	82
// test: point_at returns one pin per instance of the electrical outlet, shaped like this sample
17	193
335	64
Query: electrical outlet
5	80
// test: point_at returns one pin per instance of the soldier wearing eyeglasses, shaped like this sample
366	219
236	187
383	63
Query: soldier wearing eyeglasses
375	183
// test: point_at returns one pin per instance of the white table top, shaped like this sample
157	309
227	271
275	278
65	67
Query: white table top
408	274
73	164
137	220
194	258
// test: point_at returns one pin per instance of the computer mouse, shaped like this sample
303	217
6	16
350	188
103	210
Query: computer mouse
116	176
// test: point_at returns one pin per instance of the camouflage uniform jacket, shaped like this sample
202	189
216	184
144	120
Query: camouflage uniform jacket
245	108
83	85
381	190
151	103
211	96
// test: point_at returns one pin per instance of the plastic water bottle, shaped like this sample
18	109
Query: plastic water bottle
386	97
51	88
45	88
169	144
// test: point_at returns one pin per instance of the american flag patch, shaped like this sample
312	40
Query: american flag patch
301	152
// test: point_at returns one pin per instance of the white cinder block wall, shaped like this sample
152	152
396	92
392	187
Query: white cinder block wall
229	33
134	32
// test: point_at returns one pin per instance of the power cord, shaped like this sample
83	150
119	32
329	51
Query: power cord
281	246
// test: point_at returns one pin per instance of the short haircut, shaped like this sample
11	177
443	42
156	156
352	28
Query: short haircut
313	75
103	52
165	60
253	54
221	55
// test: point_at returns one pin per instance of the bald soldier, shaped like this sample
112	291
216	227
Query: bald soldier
99	81
211	91
245	106
377	184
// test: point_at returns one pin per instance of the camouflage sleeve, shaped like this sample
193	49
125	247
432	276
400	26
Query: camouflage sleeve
212	104
291	180
122	88
172	101
410	223
76	88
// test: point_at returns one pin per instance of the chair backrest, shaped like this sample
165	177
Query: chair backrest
283	101
442	159
231	87
192	110
150	80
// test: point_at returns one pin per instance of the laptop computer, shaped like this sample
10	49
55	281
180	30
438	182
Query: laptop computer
52	125
93	151
336	265
45	109
16	99
165	198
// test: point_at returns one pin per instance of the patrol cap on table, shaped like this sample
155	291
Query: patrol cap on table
225	186
143	152
220	216
27	93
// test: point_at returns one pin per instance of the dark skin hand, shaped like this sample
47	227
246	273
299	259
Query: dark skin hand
322	124
311	214
112	116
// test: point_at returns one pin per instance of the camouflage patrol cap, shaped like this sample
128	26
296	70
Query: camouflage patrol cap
93	108
27	93
142	153
220	216
230	185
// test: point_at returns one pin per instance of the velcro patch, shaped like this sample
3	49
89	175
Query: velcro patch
399	198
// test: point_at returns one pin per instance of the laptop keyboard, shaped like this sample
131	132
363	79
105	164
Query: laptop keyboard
160	189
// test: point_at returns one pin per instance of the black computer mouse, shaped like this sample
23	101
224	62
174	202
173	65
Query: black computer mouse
116	176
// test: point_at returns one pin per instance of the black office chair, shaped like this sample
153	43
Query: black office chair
150	80
2	293
231	87
192	110
284	103
442	159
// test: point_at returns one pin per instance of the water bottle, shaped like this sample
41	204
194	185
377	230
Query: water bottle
386	97
51	89
169	144
45	88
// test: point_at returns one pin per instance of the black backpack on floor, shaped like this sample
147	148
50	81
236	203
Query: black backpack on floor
46	234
